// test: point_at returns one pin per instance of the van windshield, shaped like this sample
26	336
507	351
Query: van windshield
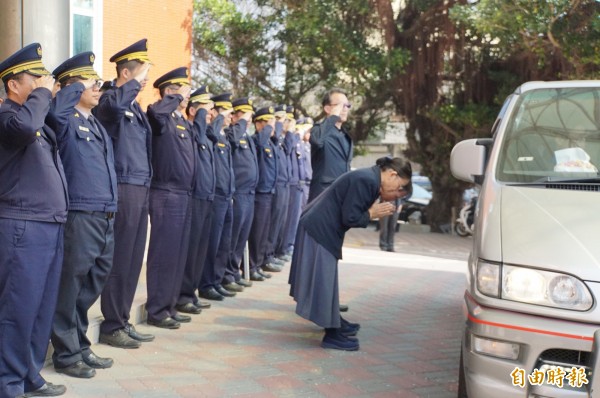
554	134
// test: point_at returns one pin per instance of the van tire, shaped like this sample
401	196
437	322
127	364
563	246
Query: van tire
462	383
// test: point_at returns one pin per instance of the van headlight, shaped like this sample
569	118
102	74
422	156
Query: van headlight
532	286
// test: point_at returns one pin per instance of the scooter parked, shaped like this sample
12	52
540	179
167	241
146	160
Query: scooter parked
465	222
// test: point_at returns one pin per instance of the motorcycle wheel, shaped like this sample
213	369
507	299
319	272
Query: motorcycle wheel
460	230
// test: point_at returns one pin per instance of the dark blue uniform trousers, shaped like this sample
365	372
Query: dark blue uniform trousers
194	264
293	216
31	254
305	190
243	213
280	206
219	243
89	247
170	218
131	229
261	224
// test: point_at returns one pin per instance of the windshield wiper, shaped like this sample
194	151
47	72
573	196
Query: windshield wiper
560	180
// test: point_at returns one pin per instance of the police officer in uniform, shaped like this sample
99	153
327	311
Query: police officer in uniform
173	163
128	126
331	146
264	123
297	172
303	126
282	193
88	160
198	112
33	210
245	168
219	240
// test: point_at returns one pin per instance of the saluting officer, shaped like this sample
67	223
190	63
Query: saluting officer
303	126
198	112
33	210
245	168
219	240
282	193
297	172
264	123
87	154
173	163
331	146
128	126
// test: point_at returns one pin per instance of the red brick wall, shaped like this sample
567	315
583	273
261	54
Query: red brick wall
166	24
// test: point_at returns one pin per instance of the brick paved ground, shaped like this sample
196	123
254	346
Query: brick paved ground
255	346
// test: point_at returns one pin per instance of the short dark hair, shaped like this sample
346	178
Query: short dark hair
400	166
129	65
191	105
328	94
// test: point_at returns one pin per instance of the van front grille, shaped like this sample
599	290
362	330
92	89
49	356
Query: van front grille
566	357
575	187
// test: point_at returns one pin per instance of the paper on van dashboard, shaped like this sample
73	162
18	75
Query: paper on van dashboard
573	160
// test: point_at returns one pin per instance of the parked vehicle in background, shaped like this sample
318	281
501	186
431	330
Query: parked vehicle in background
421	181
416	203
533	280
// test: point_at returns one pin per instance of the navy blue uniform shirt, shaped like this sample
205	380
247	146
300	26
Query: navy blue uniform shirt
267	160
87	154
204	187
173	146
128	126
225	180
282	159
32	181
331	152
245	163
304	169
343	206
291	139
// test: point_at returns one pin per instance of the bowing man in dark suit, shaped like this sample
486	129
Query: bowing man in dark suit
174	163
88	159
331	146
33	210
347	203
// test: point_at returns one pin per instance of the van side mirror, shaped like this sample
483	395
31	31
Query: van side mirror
468	159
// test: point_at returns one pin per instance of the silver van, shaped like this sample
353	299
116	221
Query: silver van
533	281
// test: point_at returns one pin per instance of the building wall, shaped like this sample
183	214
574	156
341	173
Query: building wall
166	24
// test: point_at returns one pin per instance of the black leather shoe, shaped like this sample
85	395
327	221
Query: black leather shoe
119	338
181	318
134	334
255	276
211	294
167	323
276	261
343	308
223	292
47	390
79	369
233	287
96	362
202	305
188	308
243	282
271	268
263	274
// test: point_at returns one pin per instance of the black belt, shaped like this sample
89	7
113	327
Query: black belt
109	215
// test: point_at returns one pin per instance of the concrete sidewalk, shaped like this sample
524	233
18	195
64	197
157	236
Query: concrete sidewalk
253	345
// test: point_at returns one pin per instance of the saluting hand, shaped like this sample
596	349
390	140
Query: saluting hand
46	81
247	116
184	91
382	209
142	73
